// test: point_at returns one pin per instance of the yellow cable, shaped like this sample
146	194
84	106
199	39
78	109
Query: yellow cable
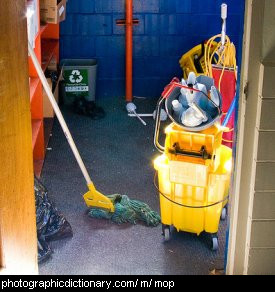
229	131
226	56
227	141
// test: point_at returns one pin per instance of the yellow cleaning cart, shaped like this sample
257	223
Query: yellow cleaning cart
194	173
194	60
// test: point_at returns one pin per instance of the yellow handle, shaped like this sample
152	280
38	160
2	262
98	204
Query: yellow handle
95	199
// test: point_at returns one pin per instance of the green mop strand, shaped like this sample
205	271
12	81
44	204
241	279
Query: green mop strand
127	211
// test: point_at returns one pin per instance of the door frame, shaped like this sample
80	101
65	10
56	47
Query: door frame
18	236
241	204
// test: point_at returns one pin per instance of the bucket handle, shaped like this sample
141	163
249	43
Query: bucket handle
165	94
159	147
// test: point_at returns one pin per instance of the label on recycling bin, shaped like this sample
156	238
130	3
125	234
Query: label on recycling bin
76	82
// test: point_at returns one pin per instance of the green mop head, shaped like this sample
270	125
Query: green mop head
127	211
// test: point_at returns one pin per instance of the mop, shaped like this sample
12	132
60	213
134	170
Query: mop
225	51
118	208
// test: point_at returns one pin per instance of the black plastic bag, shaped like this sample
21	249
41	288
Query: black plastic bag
88	108
44	250
50	223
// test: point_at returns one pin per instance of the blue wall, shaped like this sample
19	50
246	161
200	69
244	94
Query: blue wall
167	29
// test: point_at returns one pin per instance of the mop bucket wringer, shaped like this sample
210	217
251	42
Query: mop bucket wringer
193	172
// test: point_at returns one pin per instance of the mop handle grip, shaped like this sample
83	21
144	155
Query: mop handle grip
224	11
59	114
224	17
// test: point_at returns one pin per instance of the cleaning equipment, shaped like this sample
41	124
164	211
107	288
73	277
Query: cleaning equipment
216	58
218	51
131	108
205	112
225	51
177	108
194	61
194	169
163	115
121	207
127	211
224	71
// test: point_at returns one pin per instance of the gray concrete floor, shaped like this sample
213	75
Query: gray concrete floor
118	152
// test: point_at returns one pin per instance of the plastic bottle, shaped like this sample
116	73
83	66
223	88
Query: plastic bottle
194	116
192	79
178	109
214	102
182	97
191	82
189	118
201	98
201	87
183	90
215	96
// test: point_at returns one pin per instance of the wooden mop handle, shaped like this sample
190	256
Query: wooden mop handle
59	114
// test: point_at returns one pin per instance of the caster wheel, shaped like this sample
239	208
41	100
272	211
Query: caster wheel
215	244
224	214
166	232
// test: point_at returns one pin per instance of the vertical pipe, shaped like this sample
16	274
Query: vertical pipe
129	50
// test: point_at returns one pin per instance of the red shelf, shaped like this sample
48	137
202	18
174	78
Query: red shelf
34	82
36	126
38	165
48	48
43	27
48	125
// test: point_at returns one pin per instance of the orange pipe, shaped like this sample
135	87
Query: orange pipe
129	50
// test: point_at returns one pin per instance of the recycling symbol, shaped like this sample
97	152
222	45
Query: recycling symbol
76	77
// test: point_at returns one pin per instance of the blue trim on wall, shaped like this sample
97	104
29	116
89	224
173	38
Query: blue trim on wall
167	29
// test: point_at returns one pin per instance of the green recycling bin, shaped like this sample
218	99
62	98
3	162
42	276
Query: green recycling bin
79	79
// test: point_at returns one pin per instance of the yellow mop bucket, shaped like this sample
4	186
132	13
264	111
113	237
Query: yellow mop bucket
191	196
193	170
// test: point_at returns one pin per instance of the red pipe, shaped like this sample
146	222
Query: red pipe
129	50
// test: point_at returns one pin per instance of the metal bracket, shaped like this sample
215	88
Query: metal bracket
176	150
122	22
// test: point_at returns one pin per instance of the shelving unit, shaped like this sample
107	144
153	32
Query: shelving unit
46	48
